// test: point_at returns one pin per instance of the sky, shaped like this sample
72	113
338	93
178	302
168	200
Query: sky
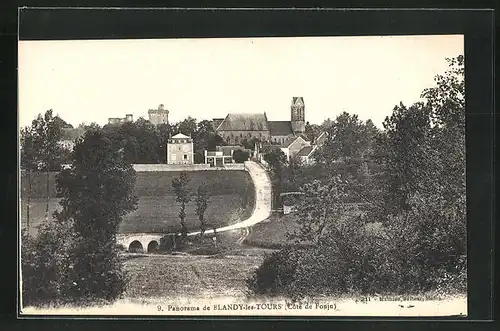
91	80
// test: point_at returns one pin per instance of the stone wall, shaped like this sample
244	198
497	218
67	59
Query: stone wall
185	167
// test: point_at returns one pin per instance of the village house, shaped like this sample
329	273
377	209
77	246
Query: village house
180	150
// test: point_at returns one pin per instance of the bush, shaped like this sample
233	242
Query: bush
169	242
409	255
275	275
45	265
240	156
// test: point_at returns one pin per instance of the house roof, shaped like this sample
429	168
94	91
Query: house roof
321	138
180	136
244	122
290	140
280	128
306	151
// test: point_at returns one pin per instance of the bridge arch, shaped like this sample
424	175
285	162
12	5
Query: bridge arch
153	246
135	247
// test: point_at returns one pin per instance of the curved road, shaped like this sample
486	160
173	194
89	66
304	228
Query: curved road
262	209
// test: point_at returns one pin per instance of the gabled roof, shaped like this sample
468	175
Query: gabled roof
321	138
290	140
244	122
180	136
280	128
306	151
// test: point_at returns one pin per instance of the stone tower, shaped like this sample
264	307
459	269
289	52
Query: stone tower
298	115
158	116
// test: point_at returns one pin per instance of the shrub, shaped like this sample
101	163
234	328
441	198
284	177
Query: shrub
240	156
169	242
275	274
45	264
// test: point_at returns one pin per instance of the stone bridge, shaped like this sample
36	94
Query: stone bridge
139	242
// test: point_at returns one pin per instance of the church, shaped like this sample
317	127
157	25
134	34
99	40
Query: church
236	128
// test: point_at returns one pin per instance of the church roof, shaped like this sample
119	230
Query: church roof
280	128
180	136
244	122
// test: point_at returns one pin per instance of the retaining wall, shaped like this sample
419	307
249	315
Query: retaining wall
181	167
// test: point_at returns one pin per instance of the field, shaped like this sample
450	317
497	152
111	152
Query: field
189	276
272	233
232	199
160	283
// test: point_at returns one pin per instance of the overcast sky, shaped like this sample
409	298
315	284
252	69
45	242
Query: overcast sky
89	81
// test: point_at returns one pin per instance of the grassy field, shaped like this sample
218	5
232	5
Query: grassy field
272	233
194	281
184	275
232	199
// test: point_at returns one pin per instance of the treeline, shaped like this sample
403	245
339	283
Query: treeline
411	237
141	141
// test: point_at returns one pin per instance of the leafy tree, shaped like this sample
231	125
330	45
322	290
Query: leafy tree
346	140
410	161
40	147
312	131
202	200
325	126
183	196
276	161
188	126
240	156
95	193
147	140
164	132
215	140
320	209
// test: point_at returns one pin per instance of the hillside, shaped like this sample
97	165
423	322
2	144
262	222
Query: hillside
232	199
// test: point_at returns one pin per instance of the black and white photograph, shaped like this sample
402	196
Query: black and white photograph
257	176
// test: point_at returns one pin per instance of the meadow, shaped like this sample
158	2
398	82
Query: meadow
232	199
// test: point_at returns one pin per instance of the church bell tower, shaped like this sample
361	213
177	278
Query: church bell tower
298	115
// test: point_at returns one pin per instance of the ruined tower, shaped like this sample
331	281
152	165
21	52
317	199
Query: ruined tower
158	116
298	115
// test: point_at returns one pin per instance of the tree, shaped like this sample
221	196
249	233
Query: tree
240	156
345	141
40	147
320	209
312	131
202	200
277	162
95	194
183	196
188	126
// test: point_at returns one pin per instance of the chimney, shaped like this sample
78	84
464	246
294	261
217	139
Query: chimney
129	118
